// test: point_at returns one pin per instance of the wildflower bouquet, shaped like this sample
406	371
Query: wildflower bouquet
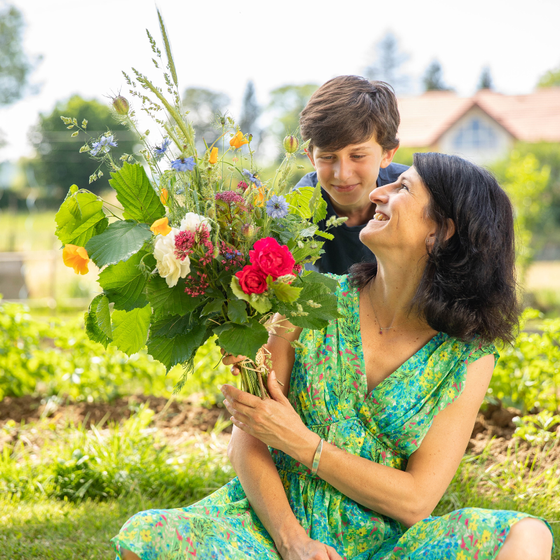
199	246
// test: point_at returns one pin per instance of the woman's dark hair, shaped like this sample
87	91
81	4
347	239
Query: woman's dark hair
468	287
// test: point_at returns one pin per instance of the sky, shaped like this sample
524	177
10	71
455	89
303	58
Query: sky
220	45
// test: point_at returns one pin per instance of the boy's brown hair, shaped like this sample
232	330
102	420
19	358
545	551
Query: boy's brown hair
351	110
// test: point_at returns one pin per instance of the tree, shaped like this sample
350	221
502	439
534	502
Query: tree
58	162
550	79
433	78
387	63
485	79
205	106
250	112
15	66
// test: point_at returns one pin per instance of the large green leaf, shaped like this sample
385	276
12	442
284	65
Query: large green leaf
299	200
118	242
179	349
173	325
166	300
124	283
244	340
79	218
136	194
98	321
130	329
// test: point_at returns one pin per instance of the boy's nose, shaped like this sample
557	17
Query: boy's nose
342	170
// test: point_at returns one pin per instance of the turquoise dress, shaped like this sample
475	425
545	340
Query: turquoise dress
328	388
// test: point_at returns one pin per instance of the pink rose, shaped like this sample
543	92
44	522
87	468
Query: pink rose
252	280
272	258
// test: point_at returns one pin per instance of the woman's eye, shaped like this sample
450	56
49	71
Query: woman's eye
403	186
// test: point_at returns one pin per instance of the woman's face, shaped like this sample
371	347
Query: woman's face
401	219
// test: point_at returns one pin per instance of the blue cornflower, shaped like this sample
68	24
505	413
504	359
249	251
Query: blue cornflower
103	145
160	150
183	164
277	207
251	177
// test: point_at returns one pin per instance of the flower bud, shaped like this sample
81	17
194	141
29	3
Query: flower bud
120	104
291	144
248	230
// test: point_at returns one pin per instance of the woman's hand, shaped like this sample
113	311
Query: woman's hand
309	550
230	359
273	421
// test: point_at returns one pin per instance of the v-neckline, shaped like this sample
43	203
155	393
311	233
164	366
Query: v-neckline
367	392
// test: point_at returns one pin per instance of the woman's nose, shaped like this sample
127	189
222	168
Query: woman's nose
380	194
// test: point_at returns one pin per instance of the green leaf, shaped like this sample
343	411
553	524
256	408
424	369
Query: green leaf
130	329
330	284
299	200
135	192
237	311
118	242
79	218
257	301
166	300
236	289
124	283
172	326
244	340
98	321
179	349
285	292
318	205
214	306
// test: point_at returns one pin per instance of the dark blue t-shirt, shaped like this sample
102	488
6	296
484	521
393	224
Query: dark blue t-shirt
346	248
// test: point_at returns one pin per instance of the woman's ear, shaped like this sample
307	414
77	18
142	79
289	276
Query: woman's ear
450	229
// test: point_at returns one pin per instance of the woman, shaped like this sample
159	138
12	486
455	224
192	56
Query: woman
372	415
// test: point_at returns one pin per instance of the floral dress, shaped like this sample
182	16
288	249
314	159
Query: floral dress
328	388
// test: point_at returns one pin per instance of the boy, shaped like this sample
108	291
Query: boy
351	124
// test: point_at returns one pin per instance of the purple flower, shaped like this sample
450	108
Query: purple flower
251	177
160	150
277	207
103	145
183	164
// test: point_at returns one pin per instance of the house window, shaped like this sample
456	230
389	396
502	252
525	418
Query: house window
475	135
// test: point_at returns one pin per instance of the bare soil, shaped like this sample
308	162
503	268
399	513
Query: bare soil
179	420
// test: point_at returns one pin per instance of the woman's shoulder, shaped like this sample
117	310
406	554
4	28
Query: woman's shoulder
470	350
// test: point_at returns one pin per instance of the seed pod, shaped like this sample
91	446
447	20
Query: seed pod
291	144
121	106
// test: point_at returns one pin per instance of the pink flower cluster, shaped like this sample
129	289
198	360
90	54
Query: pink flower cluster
186	242
231	197
268	258
196	284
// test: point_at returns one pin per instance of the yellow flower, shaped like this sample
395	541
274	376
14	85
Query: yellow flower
164	196
485	536
238	140
259	197
213	156
146	537
76	257
160	226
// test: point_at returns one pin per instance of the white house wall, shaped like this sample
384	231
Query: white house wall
501	140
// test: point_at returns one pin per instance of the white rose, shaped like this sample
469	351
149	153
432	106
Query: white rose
169	266
191	221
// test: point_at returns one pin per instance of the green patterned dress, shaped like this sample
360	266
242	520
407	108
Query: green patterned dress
328	388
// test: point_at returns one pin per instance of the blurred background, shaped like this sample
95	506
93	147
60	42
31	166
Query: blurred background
480	79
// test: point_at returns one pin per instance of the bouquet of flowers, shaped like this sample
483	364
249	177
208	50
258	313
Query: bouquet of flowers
200	246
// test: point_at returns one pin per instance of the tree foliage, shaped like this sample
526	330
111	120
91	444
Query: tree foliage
386	66
485	79
250	113
58	162
15	65
550	79
433	78
204	107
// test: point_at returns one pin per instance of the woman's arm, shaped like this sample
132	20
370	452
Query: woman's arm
407	496
257	472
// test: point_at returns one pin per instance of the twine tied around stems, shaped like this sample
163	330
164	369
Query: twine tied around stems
254	374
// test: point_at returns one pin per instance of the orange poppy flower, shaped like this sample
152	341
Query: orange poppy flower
213	156
160	226
238	140
164	196
76	257
259	196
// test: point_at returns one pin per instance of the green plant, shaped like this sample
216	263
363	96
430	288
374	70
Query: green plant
537	429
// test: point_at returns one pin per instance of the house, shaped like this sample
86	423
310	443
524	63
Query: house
481	128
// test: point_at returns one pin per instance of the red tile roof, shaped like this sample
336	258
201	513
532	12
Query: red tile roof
531	117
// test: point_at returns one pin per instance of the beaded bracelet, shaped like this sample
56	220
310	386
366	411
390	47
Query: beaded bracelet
317	458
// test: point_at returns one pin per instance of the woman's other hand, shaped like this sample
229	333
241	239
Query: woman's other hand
231	360
273	421
309	550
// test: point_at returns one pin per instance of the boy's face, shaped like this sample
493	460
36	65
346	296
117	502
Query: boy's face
350	174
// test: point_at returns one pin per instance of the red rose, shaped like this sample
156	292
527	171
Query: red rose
272	258
252	280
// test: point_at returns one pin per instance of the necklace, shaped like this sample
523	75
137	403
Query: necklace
381	329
